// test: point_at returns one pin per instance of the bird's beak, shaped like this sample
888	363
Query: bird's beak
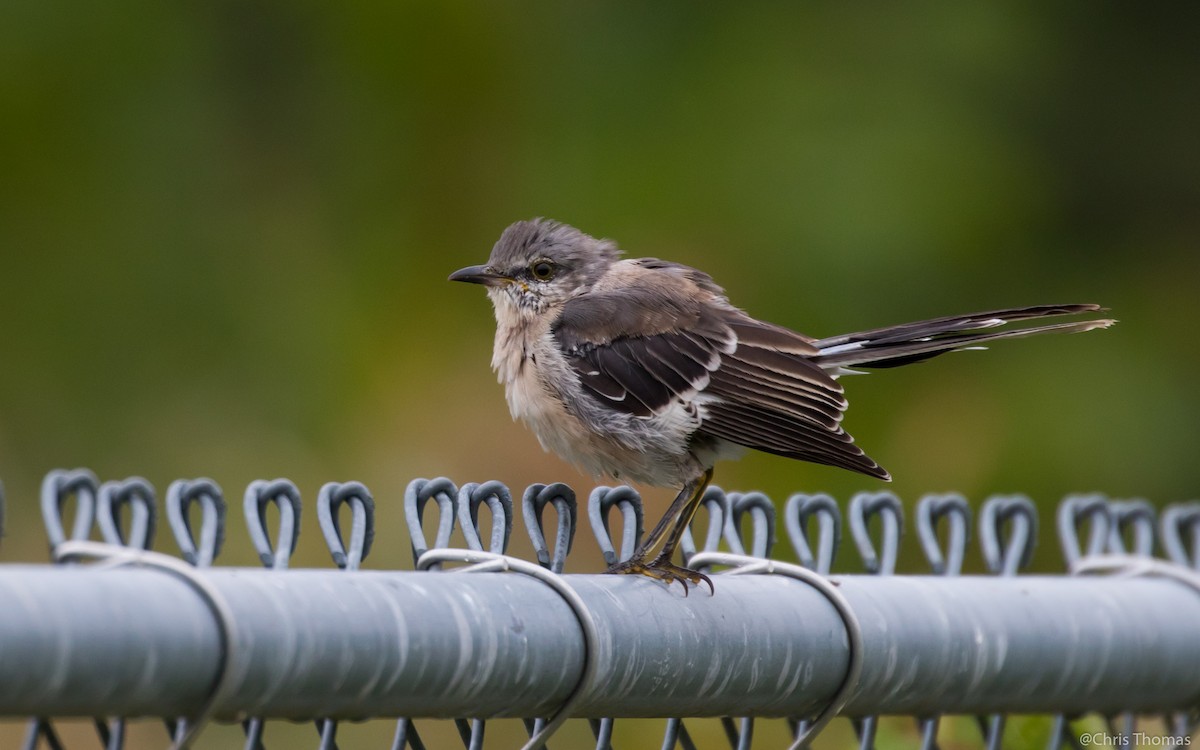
478	275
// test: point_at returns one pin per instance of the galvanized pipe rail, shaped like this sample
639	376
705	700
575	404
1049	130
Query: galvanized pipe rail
84	642
327	645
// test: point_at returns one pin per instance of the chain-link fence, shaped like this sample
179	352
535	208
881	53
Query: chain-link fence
114	630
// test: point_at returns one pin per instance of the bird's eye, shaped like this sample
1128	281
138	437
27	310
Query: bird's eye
543	270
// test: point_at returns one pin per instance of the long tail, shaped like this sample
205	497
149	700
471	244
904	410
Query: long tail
913	342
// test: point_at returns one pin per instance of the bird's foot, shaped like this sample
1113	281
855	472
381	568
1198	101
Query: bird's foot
662	569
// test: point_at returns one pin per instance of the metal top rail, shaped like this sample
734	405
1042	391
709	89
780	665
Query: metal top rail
140	634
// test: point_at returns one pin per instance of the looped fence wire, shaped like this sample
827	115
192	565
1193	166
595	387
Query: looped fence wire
629	503
1006	553
499	502
1018	515
470	497
1135	518
863	507
867	505
739	521
800	509
759	508
743	565
761	511
1073	513
284	495
136	494
492	562
181	495
330	499
259	495
953	508
418	493
945	561
117	556
533	507
1180	531
600	504
58	487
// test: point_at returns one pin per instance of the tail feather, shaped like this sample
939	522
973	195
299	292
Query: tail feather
912	342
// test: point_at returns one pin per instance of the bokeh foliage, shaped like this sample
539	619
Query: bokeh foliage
225	228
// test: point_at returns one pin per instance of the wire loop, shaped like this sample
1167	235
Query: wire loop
1073	512
491	562
762	512
629	502
499	501
533	505
863	507
286	497
1020	514
1175	521
57	487
330	499
1137	518
743	565
180	495
418	493
799	510
112	556
954	508
136	493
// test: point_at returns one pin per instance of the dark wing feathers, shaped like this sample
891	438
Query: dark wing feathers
765	335
792	387
650	373
656	356
601	384
783	404
648	346
765	431
690	350
801	406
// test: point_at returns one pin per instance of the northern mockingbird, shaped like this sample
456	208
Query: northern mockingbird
642	370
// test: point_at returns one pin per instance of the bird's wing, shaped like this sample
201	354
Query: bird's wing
660	336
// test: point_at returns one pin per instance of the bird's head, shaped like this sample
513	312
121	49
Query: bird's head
540	264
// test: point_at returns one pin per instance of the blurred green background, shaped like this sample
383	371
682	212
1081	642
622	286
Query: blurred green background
225	230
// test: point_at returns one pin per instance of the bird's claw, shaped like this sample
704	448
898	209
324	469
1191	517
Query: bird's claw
663	570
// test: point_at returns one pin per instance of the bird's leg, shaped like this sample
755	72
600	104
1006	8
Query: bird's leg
667	532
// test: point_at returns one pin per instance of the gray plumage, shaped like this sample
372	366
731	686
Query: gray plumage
642	370
644	355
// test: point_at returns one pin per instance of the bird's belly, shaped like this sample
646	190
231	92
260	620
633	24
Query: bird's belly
594	450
